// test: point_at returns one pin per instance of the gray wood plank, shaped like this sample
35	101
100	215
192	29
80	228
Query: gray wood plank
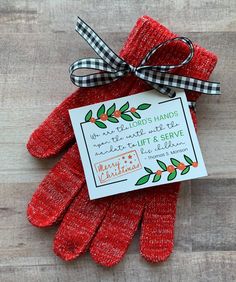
199	266
59	16
213	217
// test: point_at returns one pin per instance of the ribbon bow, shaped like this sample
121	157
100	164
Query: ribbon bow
113	67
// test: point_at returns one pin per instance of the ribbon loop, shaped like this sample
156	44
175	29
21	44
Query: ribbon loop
113	67
166	68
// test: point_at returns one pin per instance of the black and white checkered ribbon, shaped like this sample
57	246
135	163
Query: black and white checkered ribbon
113	67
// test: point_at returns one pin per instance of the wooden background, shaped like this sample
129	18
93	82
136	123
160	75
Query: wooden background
37	43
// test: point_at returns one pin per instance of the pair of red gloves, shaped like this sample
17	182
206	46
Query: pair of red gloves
107	226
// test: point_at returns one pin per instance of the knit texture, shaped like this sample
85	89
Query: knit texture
157	233
107	226
79	225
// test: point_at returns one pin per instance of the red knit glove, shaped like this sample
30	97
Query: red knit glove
106	226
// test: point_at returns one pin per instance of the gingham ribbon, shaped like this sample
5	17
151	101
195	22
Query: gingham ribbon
113	67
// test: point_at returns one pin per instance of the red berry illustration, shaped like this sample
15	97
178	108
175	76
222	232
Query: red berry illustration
117	113
92	120
170	168
181	166
158	172
195	164
132	110
104	117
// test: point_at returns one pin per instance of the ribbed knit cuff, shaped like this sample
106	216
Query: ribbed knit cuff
147	33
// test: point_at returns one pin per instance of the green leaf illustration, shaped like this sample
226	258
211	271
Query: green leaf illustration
156	178
113	119
144	179
144	106
111	110
88	116
100	124
126	117
136	115
148	170
101	111
162	165
186	170
174	162
124	107
172	175
188	160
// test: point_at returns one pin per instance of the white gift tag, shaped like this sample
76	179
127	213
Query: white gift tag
137	142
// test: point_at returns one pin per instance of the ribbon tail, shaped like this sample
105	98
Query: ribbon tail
162	89
182	82
99	46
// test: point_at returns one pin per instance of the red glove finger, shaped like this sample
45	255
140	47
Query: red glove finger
117	229
157	230
79	225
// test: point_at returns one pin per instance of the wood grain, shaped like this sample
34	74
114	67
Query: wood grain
199	266
58	16
37	43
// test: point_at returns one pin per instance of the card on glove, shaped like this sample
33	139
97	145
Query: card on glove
137	142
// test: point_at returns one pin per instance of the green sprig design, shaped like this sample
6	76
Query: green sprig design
112	114
172	169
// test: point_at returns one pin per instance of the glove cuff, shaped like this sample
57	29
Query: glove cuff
147	33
